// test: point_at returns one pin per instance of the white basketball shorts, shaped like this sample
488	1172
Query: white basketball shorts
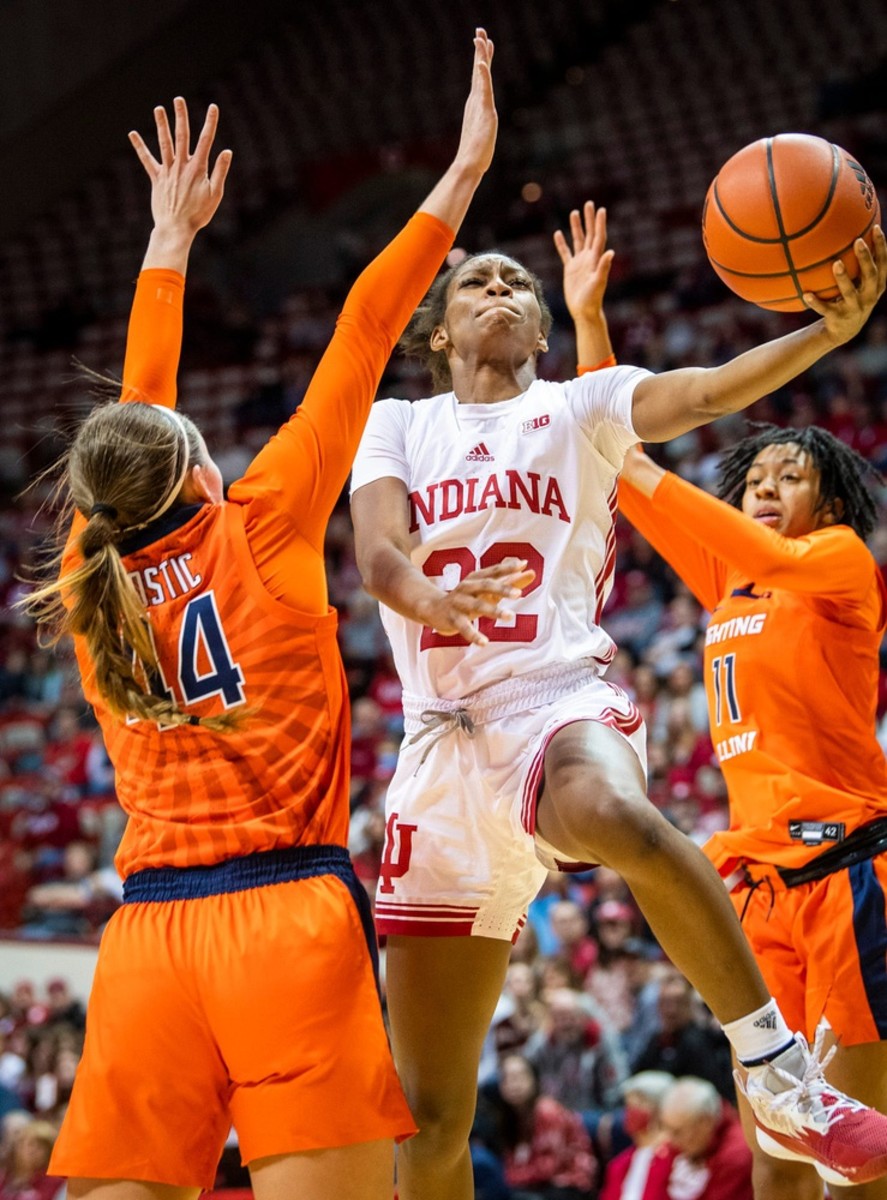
462	856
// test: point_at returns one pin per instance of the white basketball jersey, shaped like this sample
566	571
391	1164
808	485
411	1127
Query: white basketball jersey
532	478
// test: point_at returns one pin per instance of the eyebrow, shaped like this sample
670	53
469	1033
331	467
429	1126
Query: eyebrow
781	462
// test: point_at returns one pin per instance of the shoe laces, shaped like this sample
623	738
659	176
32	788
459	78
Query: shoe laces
810	1094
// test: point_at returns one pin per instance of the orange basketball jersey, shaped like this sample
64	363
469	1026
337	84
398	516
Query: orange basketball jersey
791	670
236	596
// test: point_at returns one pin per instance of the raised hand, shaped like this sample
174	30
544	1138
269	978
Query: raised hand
587	263
480	594
450	198
846	314
480	121
184	194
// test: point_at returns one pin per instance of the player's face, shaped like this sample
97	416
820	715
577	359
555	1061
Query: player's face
782	491
491	302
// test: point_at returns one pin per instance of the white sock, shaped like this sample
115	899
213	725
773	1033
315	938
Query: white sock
760	1036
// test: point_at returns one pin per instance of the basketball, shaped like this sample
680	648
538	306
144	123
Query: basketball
780	212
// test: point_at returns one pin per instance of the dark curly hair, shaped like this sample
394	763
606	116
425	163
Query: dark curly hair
842	472
416	340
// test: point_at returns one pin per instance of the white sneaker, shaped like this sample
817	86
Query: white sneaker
845	1140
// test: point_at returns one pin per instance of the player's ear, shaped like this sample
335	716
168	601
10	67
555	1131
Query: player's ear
196	487
833	512
439	339
541	343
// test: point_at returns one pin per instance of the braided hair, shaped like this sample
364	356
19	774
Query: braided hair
842	472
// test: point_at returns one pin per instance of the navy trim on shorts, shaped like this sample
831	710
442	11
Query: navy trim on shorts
870	928
155	884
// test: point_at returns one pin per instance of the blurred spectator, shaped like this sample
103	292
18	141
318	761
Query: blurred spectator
77	904
23	1174
641	1171
64	1009
713	1162
577	1053
67	752
684	1044
576	946
546	1150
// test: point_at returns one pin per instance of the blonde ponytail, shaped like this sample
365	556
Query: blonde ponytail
123	458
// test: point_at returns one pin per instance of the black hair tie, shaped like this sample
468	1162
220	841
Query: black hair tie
103	510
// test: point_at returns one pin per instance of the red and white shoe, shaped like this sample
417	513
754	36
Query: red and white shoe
813	1122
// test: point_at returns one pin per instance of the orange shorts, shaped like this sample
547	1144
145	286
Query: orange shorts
822	949
257	1008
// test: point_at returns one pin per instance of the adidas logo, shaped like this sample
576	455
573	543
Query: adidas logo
767	1021
479	454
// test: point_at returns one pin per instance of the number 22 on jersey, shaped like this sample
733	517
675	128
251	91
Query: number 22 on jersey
525	625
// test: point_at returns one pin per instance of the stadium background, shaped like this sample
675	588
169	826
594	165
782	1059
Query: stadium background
340	116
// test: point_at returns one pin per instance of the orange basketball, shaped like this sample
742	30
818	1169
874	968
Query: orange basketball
780	212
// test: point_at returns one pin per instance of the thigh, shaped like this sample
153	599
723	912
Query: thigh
362	1172
132	1111
126	1189
442	993
457	860
293	999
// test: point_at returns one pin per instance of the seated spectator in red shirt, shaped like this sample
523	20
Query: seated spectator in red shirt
576	946
546	1149
66	754
642	1170
713	1162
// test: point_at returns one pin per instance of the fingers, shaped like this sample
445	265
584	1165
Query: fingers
164	136
220	172
146	158
560	244
207	135
183	131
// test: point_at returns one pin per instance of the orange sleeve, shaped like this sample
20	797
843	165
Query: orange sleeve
294	482
153	347
831	562
154	338
699	567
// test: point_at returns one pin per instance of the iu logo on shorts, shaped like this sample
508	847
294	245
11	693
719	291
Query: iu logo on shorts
390	868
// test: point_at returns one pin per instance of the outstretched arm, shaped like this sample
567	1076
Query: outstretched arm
184	198
586	271
295	481
669	404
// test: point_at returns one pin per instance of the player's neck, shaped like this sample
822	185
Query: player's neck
490	383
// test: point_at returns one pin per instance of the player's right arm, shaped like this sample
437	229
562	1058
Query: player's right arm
380	512
675	402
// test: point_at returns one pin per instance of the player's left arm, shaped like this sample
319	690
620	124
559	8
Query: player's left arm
674	402
832	562
184	198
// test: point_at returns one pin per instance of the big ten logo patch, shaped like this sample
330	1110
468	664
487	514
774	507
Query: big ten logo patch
535	423
397	853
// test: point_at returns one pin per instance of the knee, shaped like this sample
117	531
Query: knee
612	818
444	1128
